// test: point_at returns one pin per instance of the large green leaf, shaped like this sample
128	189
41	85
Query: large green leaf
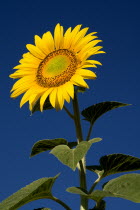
126	186
47	106
115	163
49	144
38	189
71	157
93	112
46	144
97	195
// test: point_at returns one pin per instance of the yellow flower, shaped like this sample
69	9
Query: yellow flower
54	65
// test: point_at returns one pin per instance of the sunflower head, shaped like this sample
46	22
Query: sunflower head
54	65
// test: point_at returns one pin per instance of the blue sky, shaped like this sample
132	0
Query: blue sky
117	24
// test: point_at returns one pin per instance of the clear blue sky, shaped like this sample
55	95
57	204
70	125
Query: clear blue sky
117	24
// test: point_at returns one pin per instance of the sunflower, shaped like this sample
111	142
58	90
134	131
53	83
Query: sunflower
54	65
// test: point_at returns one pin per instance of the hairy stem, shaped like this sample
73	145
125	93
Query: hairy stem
62	203
94	184
89	132
68	112
82	168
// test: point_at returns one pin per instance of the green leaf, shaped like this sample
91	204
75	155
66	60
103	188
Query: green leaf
46	144
93	112
43	209
77	190
115	163
96	169
71	157
94	140
38	189
98	195
47	106
126	186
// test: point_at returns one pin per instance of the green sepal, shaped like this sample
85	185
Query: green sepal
47	105
71	157
115	163
38	189
81	89
49	144
93	112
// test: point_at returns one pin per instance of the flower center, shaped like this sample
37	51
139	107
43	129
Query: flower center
57	68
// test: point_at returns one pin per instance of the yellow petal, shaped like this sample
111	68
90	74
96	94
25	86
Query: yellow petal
35	89
26	96
88	65
53	97
60	97
69	88
66	38
98	52
35	51
29	60
61	37
79	81
19	91
84	41
31	57
86	74
33	99
21	73
48	41
93	62
73	34
26	65
91	45
76	30
25	81
91	52
43	97
78	37
65	94
40	44
57	36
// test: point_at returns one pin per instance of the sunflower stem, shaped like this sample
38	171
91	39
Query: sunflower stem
89	132
82	168
94	184
62	203
68	112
